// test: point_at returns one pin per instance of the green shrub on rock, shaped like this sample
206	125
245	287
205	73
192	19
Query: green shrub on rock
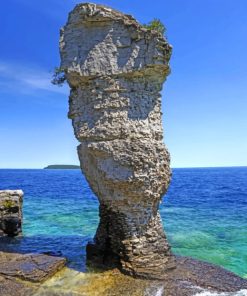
156	25
8	204
58	77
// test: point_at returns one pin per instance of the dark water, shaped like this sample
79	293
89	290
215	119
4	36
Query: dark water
204	214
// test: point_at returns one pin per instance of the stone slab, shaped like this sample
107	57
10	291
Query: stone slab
29	267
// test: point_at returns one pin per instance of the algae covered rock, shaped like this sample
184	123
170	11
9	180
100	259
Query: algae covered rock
116	68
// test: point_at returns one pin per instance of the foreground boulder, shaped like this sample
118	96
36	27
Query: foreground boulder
22	274
11	212
30	267
116	68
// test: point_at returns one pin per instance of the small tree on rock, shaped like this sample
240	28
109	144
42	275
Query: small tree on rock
156	25
58	77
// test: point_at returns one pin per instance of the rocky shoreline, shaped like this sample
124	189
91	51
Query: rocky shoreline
47	274
37	274
115	68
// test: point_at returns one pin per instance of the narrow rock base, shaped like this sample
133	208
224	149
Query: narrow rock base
140	250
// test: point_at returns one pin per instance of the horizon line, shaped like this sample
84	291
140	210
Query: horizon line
176	167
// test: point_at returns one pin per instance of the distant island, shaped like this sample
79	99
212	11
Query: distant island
62	166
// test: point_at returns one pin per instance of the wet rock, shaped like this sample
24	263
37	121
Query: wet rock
116	68
11	212
194	276
29	267
191	277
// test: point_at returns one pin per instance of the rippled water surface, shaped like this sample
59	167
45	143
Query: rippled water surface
204	214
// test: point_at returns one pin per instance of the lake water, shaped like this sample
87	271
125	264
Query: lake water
204	214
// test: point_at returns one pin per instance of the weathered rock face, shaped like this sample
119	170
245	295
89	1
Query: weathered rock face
11	212
116	68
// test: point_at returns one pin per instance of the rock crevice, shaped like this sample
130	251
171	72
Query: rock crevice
116	68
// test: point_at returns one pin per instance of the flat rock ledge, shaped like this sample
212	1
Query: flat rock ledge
21	273
192	277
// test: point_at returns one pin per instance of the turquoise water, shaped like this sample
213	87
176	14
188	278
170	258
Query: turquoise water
204	214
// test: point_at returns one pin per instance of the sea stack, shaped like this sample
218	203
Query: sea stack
11	212
115	68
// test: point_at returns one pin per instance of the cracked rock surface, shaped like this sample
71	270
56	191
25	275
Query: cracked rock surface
116	68
29	267
22	274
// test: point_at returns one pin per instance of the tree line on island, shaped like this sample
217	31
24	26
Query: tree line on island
61	166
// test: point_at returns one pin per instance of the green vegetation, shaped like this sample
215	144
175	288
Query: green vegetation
62	166
58	77
156	25
8	204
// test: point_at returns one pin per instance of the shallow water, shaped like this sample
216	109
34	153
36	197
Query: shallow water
69	282
204	213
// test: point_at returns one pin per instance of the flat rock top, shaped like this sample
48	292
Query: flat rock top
29	267
8	192
98	41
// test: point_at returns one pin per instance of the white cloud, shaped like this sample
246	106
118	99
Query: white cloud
26	79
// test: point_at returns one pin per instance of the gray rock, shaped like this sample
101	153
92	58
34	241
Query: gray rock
193	276
116	68
11	212
22	275
29	267
13	287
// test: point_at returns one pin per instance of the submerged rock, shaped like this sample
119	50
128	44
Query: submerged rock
11	212
116	68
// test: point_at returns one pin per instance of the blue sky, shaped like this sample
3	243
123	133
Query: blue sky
204	98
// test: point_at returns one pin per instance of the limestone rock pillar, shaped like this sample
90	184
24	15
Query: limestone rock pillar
11	212
116	68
